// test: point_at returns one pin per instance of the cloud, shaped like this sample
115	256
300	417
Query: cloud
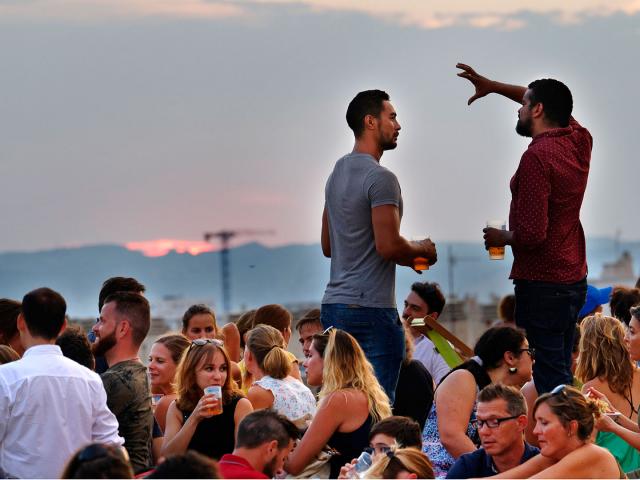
162	246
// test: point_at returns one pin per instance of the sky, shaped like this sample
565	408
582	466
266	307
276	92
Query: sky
149	122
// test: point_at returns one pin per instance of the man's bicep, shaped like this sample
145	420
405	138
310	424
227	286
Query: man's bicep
386	223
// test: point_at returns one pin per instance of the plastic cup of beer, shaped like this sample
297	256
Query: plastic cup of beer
420	263
496	253
217	391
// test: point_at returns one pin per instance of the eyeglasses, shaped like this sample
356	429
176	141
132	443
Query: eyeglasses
492	422
328	330
378	449
559	390
530	351
199	342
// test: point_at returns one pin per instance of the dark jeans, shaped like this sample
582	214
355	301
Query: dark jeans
549	312
379	333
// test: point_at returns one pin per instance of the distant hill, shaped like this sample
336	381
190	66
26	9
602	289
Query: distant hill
260	275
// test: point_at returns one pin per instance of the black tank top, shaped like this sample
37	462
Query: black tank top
349	444
215	436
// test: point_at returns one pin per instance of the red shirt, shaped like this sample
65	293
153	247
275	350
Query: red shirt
546	196
232	466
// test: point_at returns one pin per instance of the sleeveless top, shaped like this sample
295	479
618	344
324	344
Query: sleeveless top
215	436
628	457
349	445
441	459
291	398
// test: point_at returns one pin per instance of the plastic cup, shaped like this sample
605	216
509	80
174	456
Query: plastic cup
363	463
420	263
496	253
155	399
217	391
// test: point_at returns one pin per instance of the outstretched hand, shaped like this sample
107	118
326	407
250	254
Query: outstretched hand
482	84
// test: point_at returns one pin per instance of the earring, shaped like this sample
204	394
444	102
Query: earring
513	369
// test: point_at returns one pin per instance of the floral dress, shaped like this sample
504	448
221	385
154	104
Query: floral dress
291	397
440	458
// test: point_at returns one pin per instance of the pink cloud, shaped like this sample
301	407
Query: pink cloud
162	246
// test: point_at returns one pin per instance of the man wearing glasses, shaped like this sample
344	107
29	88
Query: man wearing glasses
501	419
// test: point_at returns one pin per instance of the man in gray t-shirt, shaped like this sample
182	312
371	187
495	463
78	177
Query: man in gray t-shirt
361	235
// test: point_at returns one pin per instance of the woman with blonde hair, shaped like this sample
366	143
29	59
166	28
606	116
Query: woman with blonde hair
604	364
191	421
351	401
401	463
273	387
565	421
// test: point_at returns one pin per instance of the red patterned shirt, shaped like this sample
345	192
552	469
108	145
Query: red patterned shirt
546	196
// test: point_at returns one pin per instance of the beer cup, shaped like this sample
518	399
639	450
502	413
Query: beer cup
420	263
217	391
496	253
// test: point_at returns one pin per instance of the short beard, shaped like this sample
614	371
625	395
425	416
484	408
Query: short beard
269	468
524	128
103	344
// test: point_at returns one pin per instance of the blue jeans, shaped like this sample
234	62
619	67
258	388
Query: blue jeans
379	333
549	312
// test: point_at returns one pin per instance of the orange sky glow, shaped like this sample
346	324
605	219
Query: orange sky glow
162	246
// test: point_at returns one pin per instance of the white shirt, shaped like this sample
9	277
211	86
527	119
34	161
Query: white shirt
50	406
426	353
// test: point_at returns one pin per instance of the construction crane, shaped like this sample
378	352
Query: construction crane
225	236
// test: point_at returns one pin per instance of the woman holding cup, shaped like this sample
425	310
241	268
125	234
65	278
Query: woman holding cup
202	418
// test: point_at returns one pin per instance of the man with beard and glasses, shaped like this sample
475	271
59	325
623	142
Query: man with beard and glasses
545	234
361	235
264	440
50	406
123	325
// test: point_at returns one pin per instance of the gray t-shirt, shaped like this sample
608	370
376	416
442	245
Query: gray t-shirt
359	275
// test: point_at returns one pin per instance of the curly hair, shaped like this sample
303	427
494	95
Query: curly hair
345	366
603	353
570	404
187	388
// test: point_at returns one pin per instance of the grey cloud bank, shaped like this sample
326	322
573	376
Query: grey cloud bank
134	129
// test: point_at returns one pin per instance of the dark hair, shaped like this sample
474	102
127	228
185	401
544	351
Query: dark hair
516	404
194	310
244	324
320	342
491	347
635	312
9	311
507	308
431	294
75	345
44	312
312	316
98	460
570	404
406	431
176	344
135	308
263	426
275	315
8	354
369	102
622	299
190	464
118	284
556	99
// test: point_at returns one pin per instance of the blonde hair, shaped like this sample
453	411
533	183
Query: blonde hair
187	388
410	459
603	353
345	366
266	344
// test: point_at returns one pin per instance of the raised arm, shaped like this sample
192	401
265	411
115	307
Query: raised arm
484	86
391	245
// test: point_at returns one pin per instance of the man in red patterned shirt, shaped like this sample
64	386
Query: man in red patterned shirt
545	234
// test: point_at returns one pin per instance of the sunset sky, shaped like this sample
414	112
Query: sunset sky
153	121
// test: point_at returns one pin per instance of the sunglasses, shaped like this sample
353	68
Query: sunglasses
200	342
327	330
559	390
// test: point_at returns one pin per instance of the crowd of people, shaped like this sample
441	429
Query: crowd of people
550	391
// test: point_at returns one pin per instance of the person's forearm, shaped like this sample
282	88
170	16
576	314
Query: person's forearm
513	92
180	442
632	438
458	444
